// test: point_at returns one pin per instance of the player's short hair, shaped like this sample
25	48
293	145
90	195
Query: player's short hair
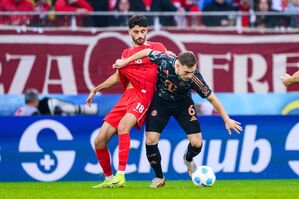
138	20
31	95
187	58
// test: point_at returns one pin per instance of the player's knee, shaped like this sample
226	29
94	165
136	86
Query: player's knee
151	140
194	150
123	128
197	144
196	141
99	142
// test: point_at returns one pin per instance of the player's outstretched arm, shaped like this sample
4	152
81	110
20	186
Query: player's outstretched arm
110	82
229	123
289	80
123	62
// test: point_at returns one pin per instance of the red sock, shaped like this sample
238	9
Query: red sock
123	151
104	160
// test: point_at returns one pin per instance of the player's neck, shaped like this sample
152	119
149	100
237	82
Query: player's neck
137	45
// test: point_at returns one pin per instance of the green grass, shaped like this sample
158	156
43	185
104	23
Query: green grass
237	189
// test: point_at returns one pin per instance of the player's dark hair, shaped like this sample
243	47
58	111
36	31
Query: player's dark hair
187	58
138	20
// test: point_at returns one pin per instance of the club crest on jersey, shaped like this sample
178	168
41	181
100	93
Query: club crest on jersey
154	113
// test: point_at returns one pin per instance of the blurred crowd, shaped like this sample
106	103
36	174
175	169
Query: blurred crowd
48	16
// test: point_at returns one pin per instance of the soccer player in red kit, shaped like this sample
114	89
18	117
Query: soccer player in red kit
139	85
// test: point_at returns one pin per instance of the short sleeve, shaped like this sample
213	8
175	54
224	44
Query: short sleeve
159	58
200	86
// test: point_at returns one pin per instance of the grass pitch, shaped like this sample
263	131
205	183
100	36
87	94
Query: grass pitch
236	189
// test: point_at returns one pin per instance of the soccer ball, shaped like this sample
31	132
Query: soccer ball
204	176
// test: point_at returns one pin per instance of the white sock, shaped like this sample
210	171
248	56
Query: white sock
121	172
109	177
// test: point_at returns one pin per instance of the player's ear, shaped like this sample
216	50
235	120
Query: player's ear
129	32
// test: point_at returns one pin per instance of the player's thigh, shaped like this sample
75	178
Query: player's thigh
195	139
128	121
187	118
157	116
106	132
152	138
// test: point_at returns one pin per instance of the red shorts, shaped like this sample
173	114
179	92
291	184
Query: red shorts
132	101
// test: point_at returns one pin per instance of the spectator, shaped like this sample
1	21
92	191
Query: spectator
294	19
43	19
31	104
188	6
219	20
16	5
123	6
164	6
244	7
99	6
203	3
266	21
79	6
180	20
279	5
158	6
43	6
191	6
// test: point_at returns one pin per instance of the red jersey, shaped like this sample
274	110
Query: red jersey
141	73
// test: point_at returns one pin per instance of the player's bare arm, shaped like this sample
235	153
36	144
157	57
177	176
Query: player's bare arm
123	62
110	82
229	123
289	80
141	54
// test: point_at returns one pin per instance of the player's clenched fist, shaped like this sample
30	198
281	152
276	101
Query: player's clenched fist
90	98
120	63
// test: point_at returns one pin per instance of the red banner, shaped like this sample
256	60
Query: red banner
74	62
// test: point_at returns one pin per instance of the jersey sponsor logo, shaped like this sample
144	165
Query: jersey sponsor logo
171	87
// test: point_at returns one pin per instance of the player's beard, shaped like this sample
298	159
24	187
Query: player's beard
139	41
